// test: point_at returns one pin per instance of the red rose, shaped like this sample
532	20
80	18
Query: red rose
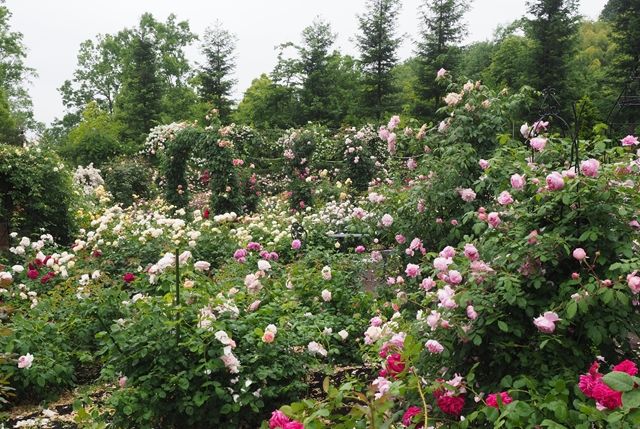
451	405
395	365
128	277
32	274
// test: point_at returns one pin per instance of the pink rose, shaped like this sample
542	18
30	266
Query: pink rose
360	249
278	420
467	195
484	164
428	284
470	252
387	220
471	312
517	182
400	239
492	399
441	73
634	282
579	254
434	347
505	198
25	362
629	141
555	181
590	167
546	323
268	336
538	143
455	277
412	270
293	425
494	219
122	382
296	244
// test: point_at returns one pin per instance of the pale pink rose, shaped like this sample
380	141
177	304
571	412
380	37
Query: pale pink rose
629	141
579	253
391	143
393	123
122	382
448	252
590	167
538	143
375	321
471	312
571	174
540	126
326	295
471	252
326	272
555	181
433	319
268	337
452	99
547	322
254	305
376	256
412	164
400	239
442	264
428	284
455	277
202	266
467	194
524	130
533	237
383	133
434	347
634	282
382	387
494	219
517	182
505	198
440	74
387	220
25	362
412	270
484	164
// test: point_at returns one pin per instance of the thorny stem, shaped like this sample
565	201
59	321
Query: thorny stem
424	403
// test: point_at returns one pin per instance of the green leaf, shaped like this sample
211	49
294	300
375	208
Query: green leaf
631	399
572	307
503	326
551	424
620	381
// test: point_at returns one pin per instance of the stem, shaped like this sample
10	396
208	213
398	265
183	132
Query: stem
424	402
177	296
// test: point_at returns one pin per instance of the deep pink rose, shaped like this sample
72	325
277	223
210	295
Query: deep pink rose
278	420
408	416
492	400
627	366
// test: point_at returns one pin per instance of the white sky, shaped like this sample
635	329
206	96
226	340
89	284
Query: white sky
54	29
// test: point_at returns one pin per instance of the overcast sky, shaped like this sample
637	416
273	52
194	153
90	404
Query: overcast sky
53	30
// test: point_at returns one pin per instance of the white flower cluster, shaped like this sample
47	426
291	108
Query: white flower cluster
88	178
160	135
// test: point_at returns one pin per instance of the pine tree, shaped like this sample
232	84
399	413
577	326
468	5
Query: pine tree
215	81
139	103
441	31
314	57
553	29
624	16
378	45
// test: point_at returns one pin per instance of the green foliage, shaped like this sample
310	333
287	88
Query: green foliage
37	193
128	179
94	140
